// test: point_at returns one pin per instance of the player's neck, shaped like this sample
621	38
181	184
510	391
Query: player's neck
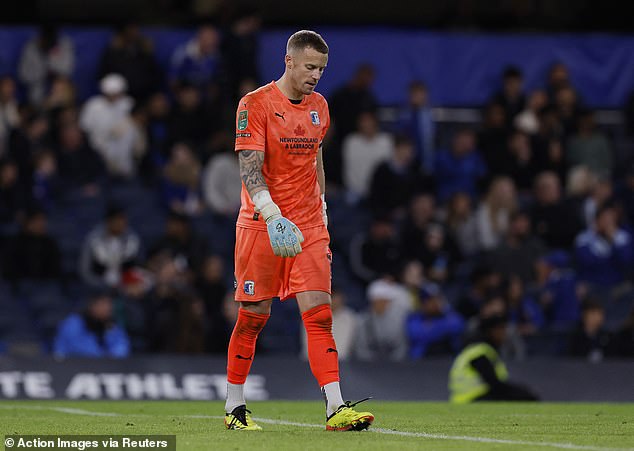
284	85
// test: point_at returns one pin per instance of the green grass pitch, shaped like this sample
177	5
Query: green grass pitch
294	425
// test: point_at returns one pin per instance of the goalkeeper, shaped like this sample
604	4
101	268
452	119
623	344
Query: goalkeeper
282	241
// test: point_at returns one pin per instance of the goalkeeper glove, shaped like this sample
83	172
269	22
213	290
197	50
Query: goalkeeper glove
285	237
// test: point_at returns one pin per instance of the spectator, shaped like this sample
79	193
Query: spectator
417	121
81	169
511	96
197	62
461	168
434	329
493	138
523	164
555	221
625	194
623	340
604	253
240	51
558	77
376	253
590	339
590	147
345	324
131	55
493	214
568	109
212	289
32	253
24	142
188	120
221	184
13	198
547	142
524	312
483	280
412	277
347	104
180	181
528	119
60	96
381	333
479	374
600	195
581	183
44	57
436	252
175	314
557	290
9	117
519	250
181	244
396	180
45	181
363	151
461	224
92	333
107	121
109	250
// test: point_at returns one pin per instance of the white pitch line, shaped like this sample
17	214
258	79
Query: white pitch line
374	430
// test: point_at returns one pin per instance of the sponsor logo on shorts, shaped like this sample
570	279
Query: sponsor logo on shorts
249	287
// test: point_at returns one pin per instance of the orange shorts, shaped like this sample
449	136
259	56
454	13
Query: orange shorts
260	274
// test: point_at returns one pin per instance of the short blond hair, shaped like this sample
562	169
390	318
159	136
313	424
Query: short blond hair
304	39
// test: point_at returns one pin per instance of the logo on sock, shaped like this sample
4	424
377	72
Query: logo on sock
331	350
249	287
239	357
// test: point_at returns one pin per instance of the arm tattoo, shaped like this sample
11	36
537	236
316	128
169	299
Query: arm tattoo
251	162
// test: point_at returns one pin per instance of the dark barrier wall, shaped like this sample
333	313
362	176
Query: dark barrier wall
461	69
200	378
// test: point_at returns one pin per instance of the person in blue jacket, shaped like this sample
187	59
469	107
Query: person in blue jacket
92	332
461	168
435	328
603	253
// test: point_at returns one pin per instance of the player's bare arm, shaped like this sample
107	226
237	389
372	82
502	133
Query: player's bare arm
251	162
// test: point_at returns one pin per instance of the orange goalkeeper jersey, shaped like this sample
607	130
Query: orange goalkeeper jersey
289	135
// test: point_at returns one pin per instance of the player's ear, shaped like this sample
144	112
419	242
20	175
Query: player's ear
288	59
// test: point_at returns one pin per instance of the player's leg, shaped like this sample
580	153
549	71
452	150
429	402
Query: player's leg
324	362
252	317
257	282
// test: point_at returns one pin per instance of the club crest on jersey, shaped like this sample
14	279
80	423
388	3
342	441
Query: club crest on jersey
243	119
314	117
249	287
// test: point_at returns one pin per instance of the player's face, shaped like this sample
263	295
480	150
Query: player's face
305	68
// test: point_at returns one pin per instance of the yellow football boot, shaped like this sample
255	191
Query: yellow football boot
240	420
346	418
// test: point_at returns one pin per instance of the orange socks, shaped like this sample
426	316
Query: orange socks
322	351
242	345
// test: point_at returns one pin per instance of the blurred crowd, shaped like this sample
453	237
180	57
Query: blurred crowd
117	211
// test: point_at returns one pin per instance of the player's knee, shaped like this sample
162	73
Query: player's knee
250	323
319	317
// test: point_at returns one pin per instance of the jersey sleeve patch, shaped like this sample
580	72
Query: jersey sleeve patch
243	120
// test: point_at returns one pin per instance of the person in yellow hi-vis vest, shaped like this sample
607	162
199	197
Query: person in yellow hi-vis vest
479	374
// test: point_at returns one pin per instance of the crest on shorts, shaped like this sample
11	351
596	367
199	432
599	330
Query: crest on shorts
314	117
243	119
249	287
